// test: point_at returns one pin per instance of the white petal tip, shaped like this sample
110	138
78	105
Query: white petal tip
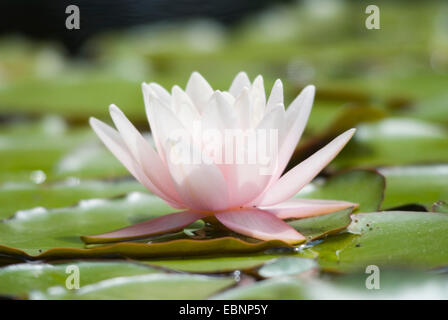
93	121
113	108
278	82
310	89
350	132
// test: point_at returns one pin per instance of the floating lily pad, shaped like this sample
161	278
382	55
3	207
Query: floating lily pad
143	287
389	240
440	206
359	186
415	184
21	279
56	233
24	196
38	229
396	142
272	289
316	227
29	147
390	285
214	264
287	266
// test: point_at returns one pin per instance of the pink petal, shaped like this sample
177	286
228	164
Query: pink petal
296	178
260	225
150	98
165	125
247	180
239	83
154	168
296	118
169	223
114	142
302	208
199	182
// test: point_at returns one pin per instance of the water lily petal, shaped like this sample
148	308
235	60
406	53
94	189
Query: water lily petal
199	182
258	100
296	178
243	109
302	208
199	90
296	117
218	113
164	123
114	142
239	83
276	96
184	108
161	93
259	224
168	223
153	166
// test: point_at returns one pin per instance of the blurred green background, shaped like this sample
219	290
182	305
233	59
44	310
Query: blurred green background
392	84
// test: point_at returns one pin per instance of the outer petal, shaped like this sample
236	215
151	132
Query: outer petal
164	224
260	225
296	178
296	118
114	142
199	90
152	165
241	80
302	208
164	123
150	97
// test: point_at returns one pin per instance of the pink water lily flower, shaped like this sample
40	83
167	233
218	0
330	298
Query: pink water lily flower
239	195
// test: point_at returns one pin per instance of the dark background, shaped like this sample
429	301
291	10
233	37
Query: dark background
45	19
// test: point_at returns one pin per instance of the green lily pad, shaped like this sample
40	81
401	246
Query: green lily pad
39	229
392	285
29	147
271	289
15	197
214	264
415	184
316	227
395	142
75	96
390	239
21	279
287	266
359	186
143	287
55	233
440	206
